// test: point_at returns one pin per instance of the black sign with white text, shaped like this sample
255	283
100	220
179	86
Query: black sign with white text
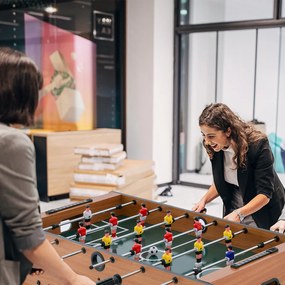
103	26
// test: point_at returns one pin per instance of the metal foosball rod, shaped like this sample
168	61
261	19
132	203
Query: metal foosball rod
120	206
184	243
260	245
146	229
98	262
207	244
214	223
129	234
117	279
82	250
163	223
107	225
104	226
111	259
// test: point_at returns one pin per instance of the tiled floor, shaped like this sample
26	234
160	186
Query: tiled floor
185	197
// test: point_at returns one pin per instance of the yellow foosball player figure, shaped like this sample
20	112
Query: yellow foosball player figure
106	241
199	247
166	259
138	229
168	219
228	235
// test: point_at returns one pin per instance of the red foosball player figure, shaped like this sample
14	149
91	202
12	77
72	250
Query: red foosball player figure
136	249
81	233
168	219
106	241
166	259
197	227
228	235
138	229
168	238
199	247
230	255
87	215
113	222
143	214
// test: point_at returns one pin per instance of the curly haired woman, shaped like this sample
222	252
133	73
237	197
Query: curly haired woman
242	166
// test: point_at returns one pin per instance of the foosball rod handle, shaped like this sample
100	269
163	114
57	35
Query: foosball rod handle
111	259
174	280
55	241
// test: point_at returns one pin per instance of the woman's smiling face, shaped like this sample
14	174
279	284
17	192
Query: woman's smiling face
214	138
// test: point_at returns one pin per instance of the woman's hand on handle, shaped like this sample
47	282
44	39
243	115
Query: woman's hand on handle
279	226
211	194
198	207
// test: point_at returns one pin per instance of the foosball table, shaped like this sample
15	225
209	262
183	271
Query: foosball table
259	254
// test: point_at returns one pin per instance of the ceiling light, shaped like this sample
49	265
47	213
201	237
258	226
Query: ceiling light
50	9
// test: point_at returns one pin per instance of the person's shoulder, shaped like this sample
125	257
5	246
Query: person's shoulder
14	138
261	143
10	132
258	149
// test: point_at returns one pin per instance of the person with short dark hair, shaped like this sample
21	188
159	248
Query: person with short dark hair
243	169
22	240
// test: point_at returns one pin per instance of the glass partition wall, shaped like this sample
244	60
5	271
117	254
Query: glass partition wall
79	47
232	52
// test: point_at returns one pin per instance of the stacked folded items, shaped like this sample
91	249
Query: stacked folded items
104	168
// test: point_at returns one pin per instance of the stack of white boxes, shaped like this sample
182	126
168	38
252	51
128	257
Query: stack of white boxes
104	168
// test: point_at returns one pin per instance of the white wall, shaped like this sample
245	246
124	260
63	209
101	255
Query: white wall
149	86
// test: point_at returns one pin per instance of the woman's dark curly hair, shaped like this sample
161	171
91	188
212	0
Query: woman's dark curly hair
20	82
220	117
